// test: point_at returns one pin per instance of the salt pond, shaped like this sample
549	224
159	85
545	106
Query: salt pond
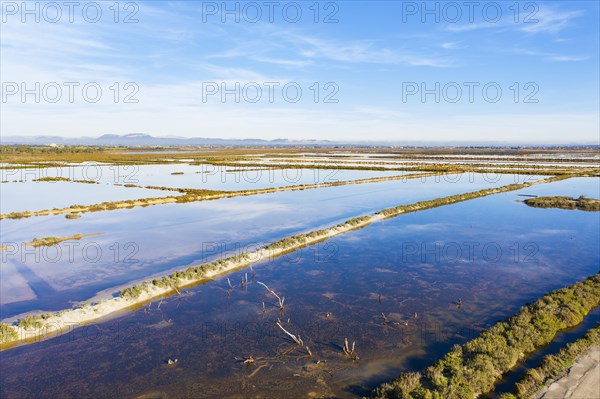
141	242
391	287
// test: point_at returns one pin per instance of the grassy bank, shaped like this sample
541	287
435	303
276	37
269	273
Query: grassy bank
473	368
582	203
74	153
49	241
553	366
419	166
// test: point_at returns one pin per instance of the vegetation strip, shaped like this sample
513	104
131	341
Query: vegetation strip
554	366
131	296
193	195
49	241
116	154
473	368
582	203
407	167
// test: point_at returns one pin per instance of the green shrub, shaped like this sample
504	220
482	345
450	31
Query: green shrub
473	368
7	333
552	365
30	322
132	292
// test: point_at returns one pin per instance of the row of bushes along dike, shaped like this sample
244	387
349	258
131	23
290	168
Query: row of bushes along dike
145	291
553	366
473	368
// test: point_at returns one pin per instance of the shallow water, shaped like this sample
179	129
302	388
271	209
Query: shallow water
140	242
19	192
494	252
37	196
206	176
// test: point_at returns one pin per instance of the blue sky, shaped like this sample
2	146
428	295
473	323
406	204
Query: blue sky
368	57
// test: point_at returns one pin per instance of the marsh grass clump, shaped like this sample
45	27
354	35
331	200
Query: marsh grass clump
18	215
72	215
48	179
45	242
356	221
473	368
134	292
30	322
293	241
581	203
50	241
7	333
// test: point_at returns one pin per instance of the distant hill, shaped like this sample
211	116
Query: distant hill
142	139
146	140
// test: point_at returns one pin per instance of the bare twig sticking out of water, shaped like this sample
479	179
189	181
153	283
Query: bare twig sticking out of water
384	318
148	309
297	339
308	351
379	296
349	352
280	299
294	338
230	290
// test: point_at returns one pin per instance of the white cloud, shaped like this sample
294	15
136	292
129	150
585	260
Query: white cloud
381	112
453	46
363	51
567	58
543	20
550	20
551	57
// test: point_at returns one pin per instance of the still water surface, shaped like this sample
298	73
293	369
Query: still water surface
390	286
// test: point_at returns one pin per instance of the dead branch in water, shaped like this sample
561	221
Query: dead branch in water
384	319
294	338
280	299
297	339
349	352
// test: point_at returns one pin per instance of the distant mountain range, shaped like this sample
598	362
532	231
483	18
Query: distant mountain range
146	140
142	139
